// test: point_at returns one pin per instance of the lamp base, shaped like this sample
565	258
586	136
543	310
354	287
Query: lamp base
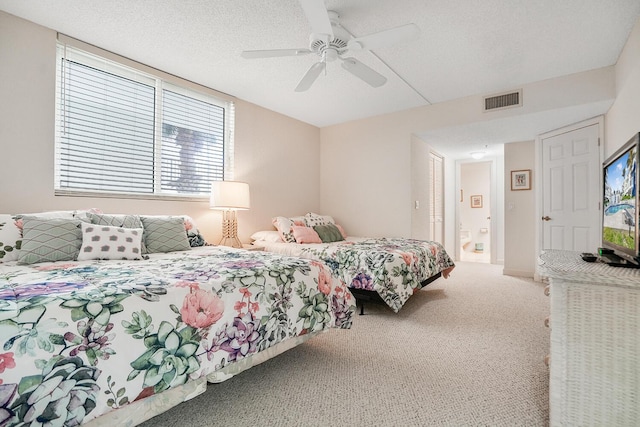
230	230
233	242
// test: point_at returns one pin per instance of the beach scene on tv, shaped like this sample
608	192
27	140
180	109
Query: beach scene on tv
620	201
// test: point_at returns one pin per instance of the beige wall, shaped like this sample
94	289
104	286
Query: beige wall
276	155
360	172
519	212
623	119
366	164
420	193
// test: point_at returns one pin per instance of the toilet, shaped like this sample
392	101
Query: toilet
465	239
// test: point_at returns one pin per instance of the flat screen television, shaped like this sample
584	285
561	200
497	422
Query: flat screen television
620	238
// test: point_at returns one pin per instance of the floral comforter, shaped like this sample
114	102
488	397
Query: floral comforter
80	339
393	267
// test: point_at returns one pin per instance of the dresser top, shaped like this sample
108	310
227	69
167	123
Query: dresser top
569	265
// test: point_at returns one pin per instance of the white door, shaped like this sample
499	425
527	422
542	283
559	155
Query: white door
571	172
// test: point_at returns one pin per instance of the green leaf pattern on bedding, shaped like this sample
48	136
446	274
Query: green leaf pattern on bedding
79	339
393	267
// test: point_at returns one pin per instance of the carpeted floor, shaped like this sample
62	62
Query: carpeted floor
466	351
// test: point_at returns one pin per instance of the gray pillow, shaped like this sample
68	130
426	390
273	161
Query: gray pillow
51	239
164	234
124	221
328	233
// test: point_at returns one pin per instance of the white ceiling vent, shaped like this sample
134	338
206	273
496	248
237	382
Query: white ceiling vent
503	100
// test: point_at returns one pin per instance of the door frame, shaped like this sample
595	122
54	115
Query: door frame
539	163
493	236
443	223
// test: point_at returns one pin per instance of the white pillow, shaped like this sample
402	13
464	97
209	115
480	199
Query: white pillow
312	219
109	242
267	236
284	226
10	238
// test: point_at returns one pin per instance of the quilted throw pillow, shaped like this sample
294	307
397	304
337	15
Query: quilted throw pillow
164	234
126	221
108	242
54	239
10	238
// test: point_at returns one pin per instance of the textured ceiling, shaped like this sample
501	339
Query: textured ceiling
465	47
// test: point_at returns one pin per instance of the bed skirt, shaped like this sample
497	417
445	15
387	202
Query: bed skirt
142	410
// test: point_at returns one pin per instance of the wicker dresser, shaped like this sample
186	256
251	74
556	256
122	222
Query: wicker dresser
595	341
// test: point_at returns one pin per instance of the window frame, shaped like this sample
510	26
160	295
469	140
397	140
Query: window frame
110	62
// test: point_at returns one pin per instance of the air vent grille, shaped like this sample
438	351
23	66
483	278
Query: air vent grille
503	100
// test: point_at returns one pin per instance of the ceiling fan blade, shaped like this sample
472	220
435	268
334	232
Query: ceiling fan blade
385	38
311	76
363	72
317	16
252	54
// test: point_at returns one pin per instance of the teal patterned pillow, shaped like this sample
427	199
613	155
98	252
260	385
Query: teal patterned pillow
165	234
10	238
56	239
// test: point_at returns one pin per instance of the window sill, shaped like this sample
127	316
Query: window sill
106	195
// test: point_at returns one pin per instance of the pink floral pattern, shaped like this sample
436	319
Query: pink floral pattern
392	267
81	339
6	362
201	309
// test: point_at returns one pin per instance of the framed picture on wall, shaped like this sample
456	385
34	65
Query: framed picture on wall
521	180
476	201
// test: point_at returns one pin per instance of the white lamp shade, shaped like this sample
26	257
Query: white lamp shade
230	195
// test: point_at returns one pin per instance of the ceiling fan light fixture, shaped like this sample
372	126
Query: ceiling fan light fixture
330	41
330	55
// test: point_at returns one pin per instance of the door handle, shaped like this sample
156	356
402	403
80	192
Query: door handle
546	218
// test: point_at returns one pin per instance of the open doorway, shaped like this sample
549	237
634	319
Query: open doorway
474	212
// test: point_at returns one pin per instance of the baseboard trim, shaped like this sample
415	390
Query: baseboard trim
518	273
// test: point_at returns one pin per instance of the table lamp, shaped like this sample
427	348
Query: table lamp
230	196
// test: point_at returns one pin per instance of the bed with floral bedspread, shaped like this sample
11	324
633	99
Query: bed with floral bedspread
81	339
389	268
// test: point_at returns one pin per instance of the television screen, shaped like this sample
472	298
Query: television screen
619	214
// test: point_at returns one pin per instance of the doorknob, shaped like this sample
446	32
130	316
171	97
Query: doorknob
546	218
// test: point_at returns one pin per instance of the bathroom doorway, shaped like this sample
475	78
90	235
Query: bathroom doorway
474	211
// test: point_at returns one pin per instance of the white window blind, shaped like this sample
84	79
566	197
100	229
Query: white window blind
192	156
124	132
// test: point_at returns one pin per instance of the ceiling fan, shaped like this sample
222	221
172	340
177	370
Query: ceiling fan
330	42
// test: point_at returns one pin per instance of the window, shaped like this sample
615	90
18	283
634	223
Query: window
126	131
